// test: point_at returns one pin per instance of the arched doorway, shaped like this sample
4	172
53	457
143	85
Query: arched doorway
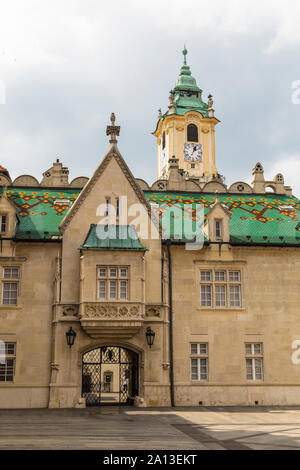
109	376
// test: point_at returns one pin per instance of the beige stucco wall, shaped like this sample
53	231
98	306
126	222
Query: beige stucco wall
269	314
29	325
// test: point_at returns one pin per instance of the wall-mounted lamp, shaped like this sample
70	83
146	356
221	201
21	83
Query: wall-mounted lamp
150	335
71	335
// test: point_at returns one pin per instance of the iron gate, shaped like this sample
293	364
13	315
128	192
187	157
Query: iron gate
120	364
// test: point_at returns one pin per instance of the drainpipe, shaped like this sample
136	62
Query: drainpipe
171	325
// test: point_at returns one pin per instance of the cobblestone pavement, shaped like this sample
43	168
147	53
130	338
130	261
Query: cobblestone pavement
110	427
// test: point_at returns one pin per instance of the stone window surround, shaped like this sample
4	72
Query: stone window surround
253	355
12	357
118	279
218	265
198	356
220	283
18	280
3	223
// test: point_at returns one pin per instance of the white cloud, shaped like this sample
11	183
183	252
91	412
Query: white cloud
68	64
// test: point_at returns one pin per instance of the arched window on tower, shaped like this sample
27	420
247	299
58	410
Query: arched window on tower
164	140
192	133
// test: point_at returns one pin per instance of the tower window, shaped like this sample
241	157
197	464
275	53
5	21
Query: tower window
192	133
3	223
218	228
164	140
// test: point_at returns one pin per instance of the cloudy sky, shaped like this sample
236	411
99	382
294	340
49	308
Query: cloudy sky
67	64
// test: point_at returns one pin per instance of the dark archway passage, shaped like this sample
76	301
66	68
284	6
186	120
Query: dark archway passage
122	366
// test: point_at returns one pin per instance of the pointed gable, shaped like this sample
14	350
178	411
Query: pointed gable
112	154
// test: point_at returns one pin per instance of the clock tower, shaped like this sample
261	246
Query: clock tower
187	130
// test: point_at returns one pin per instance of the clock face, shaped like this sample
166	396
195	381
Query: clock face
192	152
163	159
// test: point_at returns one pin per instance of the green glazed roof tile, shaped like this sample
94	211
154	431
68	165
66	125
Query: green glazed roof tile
112	237
40	211
255	219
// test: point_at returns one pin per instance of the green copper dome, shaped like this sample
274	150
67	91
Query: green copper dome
187	95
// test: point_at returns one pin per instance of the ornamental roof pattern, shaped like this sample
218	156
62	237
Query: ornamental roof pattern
40	211
255	219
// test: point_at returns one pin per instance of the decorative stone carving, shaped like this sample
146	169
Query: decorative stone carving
70	310
153	311
110	310
191	117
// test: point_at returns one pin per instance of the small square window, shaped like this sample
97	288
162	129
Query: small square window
257	348
11	273
123	272
10	349
203	348
220	276
253	349
113	272
205	275
234	276
194	348
102	272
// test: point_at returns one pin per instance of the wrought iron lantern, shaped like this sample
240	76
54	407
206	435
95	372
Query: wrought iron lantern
150	335
71	335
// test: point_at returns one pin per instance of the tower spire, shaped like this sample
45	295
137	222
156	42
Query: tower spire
184	52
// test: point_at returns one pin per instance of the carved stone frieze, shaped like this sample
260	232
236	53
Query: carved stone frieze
106	310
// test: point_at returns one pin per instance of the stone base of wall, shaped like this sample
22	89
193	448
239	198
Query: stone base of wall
261	395
159	396
24	397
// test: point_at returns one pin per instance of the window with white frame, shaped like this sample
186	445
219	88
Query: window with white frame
199	361
7	361
254	361
3	223
220	288
10	285
113	282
